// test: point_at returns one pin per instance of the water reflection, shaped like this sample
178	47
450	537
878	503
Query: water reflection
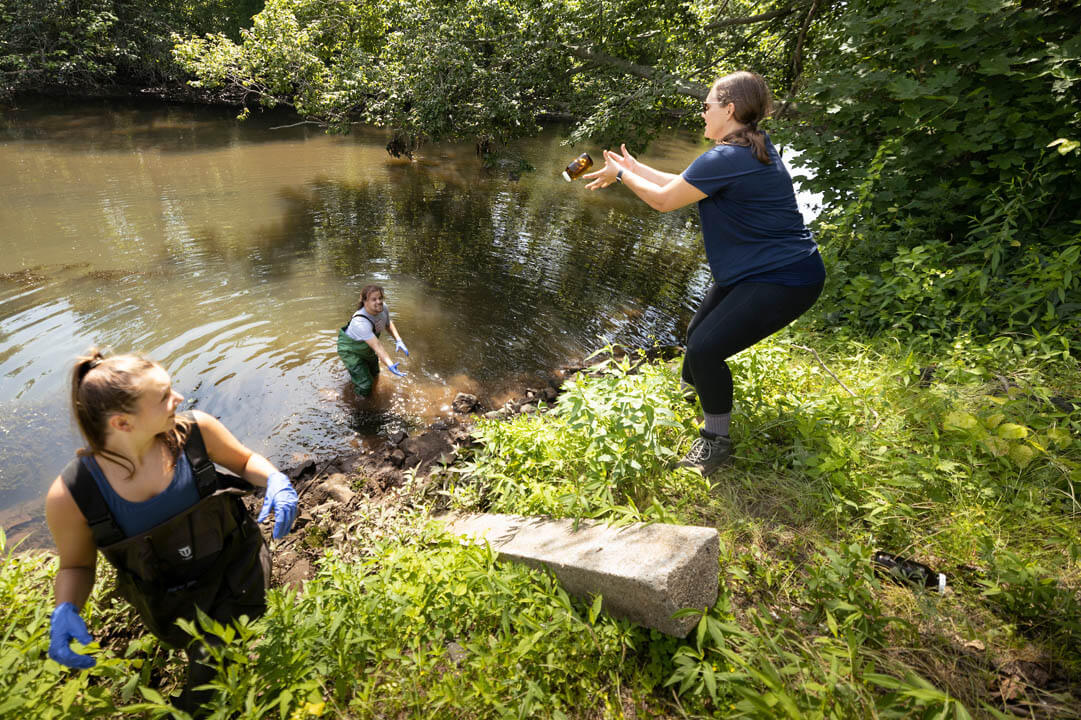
232	253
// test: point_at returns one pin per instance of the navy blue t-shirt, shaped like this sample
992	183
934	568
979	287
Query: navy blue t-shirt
751	224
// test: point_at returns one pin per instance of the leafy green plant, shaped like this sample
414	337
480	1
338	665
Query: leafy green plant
605	449
371	639
841	593
1030	596
941	137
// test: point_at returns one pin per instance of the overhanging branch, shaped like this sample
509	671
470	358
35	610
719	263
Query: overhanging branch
728	22
682	86
797	53
763	17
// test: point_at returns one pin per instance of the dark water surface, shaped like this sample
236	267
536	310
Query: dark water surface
232	252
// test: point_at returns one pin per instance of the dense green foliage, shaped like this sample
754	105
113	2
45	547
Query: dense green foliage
370	640
489	71
607	445
966	469
80	45
945	140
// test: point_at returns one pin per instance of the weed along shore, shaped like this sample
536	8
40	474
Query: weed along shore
378	612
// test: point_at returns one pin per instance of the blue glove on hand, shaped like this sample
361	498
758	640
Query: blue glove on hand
394	369
282	499
65	625
400	347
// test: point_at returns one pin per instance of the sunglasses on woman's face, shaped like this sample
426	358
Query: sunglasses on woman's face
707	103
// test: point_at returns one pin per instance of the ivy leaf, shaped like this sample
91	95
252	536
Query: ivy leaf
997	65
905	88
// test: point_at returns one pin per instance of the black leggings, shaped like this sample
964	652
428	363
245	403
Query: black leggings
731	319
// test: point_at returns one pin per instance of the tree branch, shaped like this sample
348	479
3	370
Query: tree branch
763	17
797	54
728	22
683	87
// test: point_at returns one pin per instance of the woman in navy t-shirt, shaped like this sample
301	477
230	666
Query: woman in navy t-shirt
766	267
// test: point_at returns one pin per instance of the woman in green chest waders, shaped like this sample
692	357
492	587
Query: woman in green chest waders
358	341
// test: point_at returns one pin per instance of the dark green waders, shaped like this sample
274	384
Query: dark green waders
361	362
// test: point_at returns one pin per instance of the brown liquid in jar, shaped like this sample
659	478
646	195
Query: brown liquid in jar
578	166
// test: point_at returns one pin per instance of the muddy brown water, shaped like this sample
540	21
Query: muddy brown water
232	252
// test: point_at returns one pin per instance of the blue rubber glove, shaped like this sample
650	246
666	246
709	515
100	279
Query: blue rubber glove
400	347
394	369
282	499
65	625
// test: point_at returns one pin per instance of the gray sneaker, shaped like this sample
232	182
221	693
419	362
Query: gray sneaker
707	455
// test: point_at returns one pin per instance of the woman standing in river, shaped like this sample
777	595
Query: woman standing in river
766	267
358	341
145	493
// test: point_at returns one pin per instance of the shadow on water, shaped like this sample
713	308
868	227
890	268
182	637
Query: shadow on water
94	126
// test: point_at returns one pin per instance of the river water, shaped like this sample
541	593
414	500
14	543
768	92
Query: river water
232	252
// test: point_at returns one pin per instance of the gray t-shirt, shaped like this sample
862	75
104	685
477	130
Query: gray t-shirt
365	327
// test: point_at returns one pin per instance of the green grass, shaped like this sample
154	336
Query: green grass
970	468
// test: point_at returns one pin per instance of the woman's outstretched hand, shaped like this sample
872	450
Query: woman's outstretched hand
626	161
606	175
613	163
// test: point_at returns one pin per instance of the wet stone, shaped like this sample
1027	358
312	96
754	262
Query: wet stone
305	468
426	449
297	575
337	487
464	403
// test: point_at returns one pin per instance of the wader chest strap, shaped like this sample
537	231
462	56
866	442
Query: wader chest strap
202	469
87	495
362	316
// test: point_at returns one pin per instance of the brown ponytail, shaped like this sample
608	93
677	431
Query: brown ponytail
103	385
751	97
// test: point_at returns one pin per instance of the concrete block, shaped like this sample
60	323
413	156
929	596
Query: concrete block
644	572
